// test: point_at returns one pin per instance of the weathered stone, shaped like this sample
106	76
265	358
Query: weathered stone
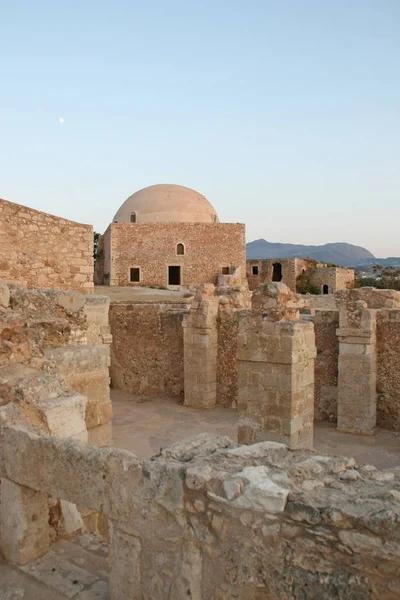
24	516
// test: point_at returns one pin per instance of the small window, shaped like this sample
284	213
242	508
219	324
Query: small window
180	249
325	289
133	217
214	218
134	275
225	270
254	270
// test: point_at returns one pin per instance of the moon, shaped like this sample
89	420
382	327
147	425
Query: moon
61	119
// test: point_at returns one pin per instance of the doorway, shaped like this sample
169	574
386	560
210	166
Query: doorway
174	275
277	272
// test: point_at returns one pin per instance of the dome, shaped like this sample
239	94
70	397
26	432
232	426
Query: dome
166	203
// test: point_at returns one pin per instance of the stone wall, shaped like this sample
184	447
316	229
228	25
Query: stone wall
147	349
53	344
388	382
152	247
291	268
326	323
335	278
207	519
42	251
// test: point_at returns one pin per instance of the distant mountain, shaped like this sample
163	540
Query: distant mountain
339	253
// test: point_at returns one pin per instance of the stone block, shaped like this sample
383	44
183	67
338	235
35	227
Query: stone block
4	295
24	521
98	413
100	436
65	417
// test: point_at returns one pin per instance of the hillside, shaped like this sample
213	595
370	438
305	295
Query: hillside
339	253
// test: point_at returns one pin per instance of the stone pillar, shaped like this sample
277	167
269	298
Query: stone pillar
357	368
276	355
276	382
200	341
24	522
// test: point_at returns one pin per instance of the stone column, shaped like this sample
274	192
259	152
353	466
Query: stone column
200	340
24	522
276	355
357	368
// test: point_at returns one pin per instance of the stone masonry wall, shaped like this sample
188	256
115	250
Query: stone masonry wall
326	322
291	268
336	278
147	349
153	247
210	520
43	251
388	378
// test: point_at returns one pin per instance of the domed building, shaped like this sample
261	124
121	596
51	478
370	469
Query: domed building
168	235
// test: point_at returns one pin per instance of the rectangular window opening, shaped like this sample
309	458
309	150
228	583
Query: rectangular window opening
134	276
254	270
225	270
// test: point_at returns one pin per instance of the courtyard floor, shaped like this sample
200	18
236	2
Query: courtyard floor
143	425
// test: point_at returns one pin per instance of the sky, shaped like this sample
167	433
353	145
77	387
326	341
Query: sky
285	114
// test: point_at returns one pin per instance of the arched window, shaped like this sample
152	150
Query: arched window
133	217
180	249
325	289
214	218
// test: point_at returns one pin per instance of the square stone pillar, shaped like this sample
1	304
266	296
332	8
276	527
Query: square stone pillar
200	342
24	522
276	381
357	369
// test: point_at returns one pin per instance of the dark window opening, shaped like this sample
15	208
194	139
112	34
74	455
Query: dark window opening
225	270
134	275
133	217
254	270
180	249
174	276
325	289
277	272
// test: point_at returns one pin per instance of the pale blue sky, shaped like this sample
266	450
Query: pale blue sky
284	113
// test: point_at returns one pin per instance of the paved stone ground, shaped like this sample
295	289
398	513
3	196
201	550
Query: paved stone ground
143	425
75	568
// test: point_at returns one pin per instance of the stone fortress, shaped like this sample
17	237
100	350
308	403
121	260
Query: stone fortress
261	516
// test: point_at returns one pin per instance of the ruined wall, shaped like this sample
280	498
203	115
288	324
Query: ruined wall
388	380
291	268
53	344
326	323
345	278
147	349
207	519
336	278
153	247
43	251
